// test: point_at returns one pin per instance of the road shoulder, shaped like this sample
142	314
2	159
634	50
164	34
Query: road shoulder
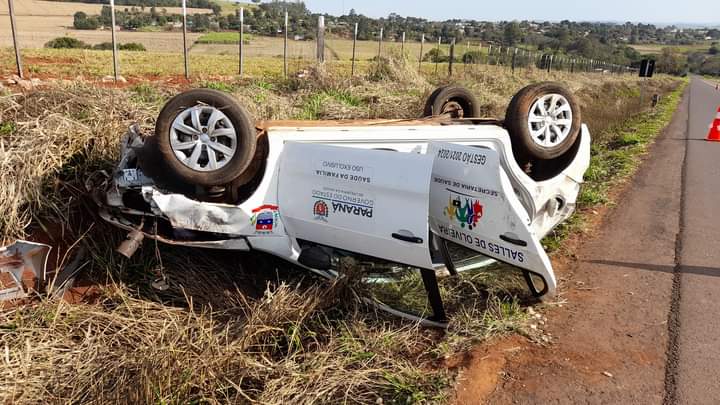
610	335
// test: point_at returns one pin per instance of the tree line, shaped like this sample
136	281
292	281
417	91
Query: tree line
599	41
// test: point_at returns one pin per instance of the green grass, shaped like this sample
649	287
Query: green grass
312	106
614	160
657	48
6	127
223	37
151	28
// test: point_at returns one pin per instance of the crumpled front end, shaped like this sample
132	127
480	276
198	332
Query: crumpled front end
132	199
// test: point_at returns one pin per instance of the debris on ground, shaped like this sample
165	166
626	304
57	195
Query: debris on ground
22	268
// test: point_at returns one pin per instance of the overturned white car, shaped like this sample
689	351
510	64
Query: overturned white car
397	190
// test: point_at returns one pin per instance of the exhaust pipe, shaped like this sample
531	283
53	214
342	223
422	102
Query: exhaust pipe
131	244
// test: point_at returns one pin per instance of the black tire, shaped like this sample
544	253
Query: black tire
516	122
245	136
453	100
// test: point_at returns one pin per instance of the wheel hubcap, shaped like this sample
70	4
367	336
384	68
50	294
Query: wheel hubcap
550	120
203	138
453	109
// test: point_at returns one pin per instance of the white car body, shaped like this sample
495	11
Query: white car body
374	190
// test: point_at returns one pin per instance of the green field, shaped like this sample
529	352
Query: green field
223	37
229	7
651	49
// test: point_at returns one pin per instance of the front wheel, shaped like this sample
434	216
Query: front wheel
543	121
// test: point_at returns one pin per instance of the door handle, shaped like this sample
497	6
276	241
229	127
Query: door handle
407	238
514	241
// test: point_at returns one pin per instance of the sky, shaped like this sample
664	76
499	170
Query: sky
655	11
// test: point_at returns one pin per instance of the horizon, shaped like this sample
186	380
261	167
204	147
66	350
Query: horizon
689	17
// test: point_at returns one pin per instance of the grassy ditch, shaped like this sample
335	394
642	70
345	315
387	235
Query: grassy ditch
230	327
615	156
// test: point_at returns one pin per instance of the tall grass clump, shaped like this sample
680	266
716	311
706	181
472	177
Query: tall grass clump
58	136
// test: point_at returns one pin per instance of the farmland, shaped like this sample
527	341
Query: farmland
651	49
40	21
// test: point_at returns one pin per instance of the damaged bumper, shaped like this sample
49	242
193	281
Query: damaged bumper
130	200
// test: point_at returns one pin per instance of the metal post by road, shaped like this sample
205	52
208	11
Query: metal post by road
240	43
320	53
352	65
422	43
437	55
185	50
285	48
572	67
18	60
380	38
116	69
402	45
489	53
512	63
452	57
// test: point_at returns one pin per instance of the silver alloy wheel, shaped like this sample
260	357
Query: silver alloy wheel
550	120
203	138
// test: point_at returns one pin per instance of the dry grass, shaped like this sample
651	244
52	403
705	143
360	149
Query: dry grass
54	138
223	332
277	349
59	8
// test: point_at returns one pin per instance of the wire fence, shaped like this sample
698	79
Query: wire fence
435	55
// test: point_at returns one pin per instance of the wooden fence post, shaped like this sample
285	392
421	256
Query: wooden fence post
285	48
437	55
13	27
380	38
352	65
320	54
422	42
185	50
451	57
240	42
116	68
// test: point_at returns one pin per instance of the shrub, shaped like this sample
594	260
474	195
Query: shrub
472	57
130	46
435	55
103	46
81	21
66	42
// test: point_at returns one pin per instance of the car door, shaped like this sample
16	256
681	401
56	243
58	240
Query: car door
372	202
472	203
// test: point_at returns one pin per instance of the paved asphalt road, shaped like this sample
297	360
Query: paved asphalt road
696	294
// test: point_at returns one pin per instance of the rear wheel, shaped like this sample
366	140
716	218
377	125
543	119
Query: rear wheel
205	137
543	121
452	101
